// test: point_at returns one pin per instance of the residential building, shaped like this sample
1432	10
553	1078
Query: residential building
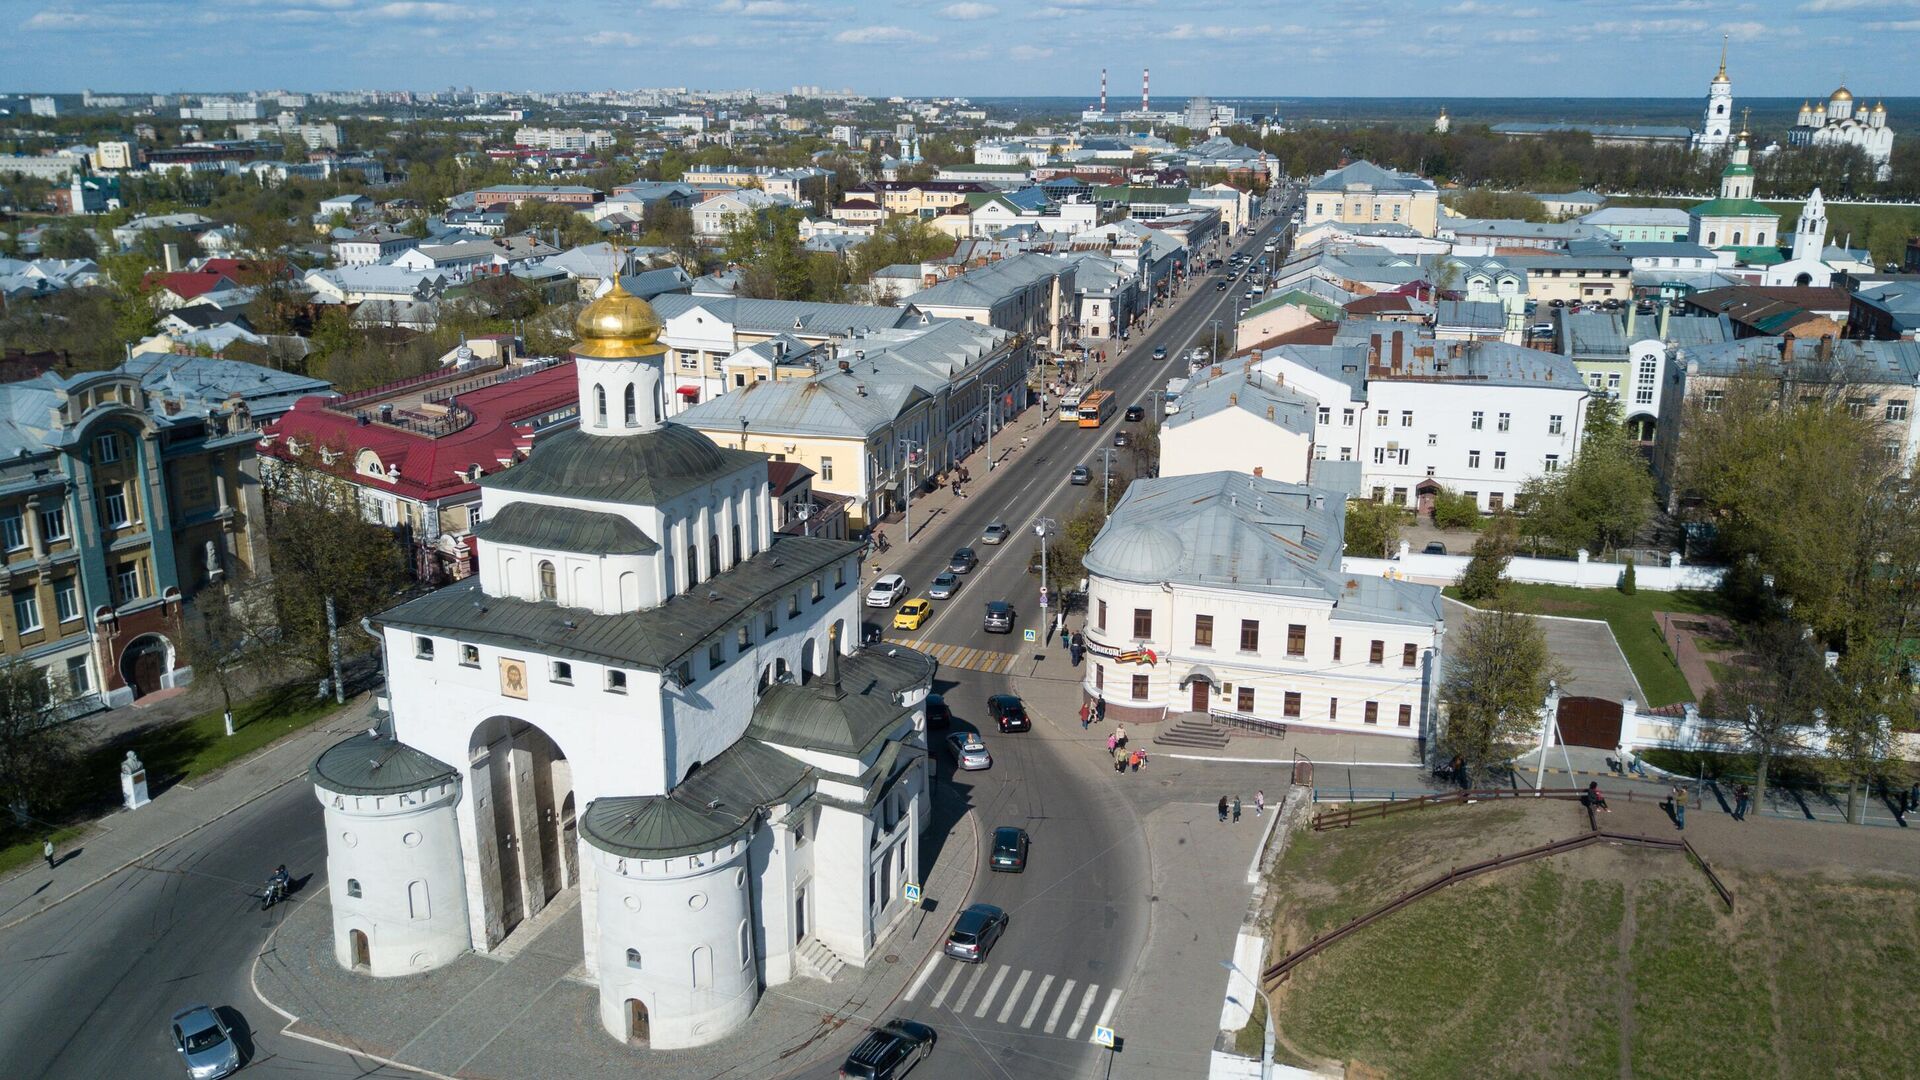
540	138
1365	192
1497	236
384	283
923	198
373	246
1030	295
1223	594
470	258
1880	312
1587	278
1624	356
1771	310
509	195
715	217
648	699
124	236
1569	204
1641	224
55	168
703	331
1238	418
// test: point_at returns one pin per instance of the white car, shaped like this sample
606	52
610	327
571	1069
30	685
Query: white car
887	591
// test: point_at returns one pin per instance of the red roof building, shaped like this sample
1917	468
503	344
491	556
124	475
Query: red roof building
417	448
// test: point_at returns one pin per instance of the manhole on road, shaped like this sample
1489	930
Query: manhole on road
893	958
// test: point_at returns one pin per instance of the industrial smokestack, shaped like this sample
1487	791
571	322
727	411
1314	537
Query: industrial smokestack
1103	90
1144	98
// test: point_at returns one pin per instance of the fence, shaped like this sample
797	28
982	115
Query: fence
1581	572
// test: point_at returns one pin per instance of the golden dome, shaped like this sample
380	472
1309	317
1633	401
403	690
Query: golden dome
1880	106
618	326
1842	94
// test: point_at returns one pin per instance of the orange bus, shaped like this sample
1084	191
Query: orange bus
1096	408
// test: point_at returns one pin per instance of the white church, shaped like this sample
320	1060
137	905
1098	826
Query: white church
1839	125
645	702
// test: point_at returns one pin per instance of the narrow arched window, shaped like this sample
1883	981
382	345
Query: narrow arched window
549	589
693	565
599	406
633	410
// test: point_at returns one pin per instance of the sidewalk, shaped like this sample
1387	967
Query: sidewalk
536	1014
125	837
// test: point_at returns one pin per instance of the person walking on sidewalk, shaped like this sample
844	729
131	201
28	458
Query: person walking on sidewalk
1223	809
1741	797
1111	742
1086	714
1120	734
1259	803
1236	809
46	849
1100	709
1679	807
1119	760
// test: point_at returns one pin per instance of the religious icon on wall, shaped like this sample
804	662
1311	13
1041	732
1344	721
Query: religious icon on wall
513	678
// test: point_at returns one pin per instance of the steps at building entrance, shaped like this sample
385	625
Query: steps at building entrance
819	961
1192	731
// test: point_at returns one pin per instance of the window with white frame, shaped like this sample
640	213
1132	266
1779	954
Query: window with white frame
826	468
13	531
106	448
66	599
1406	417
1552	463
113	505
1326	415
26	611
1499	459
1479	420
1473	459
1505	422
1897	409
79	679
126	583
1554	424
53	523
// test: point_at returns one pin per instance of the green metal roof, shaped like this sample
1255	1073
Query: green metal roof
650	640
640	469
564	528
865	707
1733	208
364	764
1753	255
709	809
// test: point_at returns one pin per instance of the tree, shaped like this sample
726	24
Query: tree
899	240
1485	577
1453	510
1373	529
1599	502
1498	676
323	546
1511	205
39	754
546	219
1770	697
227	638
1067	550
1869	697
67	240
1627	583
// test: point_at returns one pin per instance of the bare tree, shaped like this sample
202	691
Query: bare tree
1771	697
40	753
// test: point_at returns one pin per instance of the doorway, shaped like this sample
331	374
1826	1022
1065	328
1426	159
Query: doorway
1202	693
525	821
800	915
362	951
144	664
638	1029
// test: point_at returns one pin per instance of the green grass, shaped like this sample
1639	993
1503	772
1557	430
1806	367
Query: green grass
1631	618
1251	1040
26	851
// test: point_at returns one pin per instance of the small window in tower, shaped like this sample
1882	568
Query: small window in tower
633	411
353	888
549	584
599	406
616	682
562	672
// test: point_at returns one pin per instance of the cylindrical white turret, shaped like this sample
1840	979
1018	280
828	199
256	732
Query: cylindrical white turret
620	365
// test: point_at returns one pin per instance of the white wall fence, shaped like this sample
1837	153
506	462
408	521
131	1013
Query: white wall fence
1581	572
1640	730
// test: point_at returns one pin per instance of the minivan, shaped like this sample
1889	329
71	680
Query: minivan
888	1051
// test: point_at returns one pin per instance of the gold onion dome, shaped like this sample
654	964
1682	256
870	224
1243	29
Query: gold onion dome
1843	94
1879	106
618	325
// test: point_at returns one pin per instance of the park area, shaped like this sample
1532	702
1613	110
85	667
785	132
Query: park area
1606	961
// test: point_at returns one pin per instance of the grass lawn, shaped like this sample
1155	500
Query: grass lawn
1602	963
184	751
1631	618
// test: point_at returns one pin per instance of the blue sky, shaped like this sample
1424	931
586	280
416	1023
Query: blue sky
1657	48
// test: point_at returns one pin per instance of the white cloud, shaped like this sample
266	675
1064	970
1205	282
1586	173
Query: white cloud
1522	36
668	5
1190	32
969	11
699	41
75	20
1898	26
618	37
1029	52
1481	7
1746	31
423	9
1819	6
881	35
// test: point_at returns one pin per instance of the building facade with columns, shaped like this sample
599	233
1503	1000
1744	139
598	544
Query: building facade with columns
646	696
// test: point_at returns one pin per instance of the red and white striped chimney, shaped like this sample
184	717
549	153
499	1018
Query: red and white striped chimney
1103	89
1144	72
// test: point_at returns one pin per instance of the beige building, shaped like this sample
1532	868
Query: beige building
924	198
1586	278
1366	193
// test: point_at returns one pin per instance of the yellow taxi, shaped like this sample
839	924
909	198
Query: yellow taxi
912	614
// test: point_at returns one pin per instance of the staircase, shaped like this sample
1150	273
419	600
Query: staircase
818	961
1192	730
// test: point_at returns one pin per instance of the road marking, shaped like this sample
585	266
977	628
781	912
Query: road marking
961	656
966	992
1086	1005
941	994
1059	1003
1013	997
993	988
1039	996
1106	1014
926	972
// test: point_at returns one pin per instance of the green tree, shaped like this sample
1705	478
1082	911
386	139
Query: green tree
1769	698
1499	671
1372	529
38	758
228	635
1869	698
1627	583
547	219
1599	502
1485	577
1068	547
1453	510
322	546
68	240
1512	205
899	240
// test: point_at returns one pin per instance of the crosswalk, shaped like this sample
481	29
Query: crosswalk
961	656
973	990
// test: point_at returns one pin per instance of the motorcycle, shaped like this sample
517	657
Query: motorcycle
276	892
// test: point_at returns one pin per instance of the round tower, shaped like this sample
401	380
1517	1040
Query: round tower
394	869
1716	127
620	365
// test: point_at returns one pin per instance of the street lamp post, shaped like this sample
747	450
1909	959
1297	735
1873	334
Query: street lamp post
907	449
1043	528
993	398
1106	483
1266	1043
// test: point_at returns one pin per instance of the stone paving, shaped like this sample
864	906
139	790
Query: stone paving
536	1015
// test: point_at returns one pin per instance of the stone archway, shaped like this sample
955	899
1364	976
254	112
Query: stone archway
523	821
145	663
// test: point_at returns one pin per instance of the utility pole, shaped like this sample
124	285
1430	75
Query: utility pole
993	398
907	448
1106	483
1215	357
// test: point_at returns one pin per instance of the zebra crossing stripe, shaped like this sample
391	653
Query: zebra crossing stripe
1106	1013
1039	996
1059	1004
1013	997
1086	1005
920	980
941	994
966	994
993	989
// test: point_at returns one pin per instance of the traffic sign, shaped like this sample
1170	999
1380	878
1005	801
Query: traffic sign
912	889
1103	1036
1043	596
1030	635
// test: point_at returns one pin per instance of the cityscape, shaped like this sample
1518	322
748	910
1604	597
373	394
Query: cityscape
935	555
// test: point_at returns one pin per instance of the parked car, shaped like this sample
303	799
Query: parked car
887	590
912	614
204	1044
1009	850
975	932
944	585
939	715
963	561
995	533
1434	547
999	618
1009	712
887	1052
1136	413
1544	329
1080	476
969	752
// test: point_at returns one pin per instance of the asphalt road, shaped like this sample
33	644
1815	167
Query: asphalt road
87	989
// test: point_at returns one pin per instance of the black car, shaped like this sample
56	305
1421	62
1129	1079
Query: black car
887	1052
1221	286
1136	413
1009	712
999	618
1009	850
963	561
938	715
975	931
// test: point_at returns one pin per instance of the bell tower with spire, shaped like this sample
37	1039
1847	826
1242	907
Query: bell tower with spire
1716	128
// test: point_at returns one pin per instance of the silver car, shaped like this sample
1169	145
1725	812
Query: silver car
995	533
204	1043
944	585
969	751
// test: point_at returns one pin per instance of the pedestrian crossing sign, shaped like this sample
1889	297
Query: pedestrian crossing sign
1103	1036
1030	635
913	892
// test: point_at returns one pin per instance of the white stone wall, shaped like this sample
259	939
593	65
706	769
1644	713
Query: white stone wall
394	873
1235	440
1583	573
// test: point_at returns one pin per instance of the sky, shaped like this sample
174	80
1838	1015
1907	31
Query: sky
1222	48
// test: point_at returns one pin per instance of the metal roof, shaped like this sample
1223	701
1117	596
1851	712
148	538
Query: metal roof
368	764
1370	175
711	807
642	469
789	315
847	719
564	528
1243	386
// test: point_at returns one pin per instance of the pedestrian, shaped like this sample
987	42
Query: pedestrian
1594	798
1741	797
1120	735
1223	809
1136	759
47	850
1913	794
1119	760
1086	714
1110	742
1679	807
1100	709
1077	650
1259	803
1236	808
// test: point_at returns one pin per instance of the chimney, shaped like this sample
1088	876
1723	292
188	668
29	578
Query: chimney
1373	353
1786	347
1259	470
1826	348
1397	336
170	256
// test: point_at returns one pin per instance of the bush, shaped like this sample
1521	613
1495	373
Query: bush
1486	573
1452	510
1626	578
